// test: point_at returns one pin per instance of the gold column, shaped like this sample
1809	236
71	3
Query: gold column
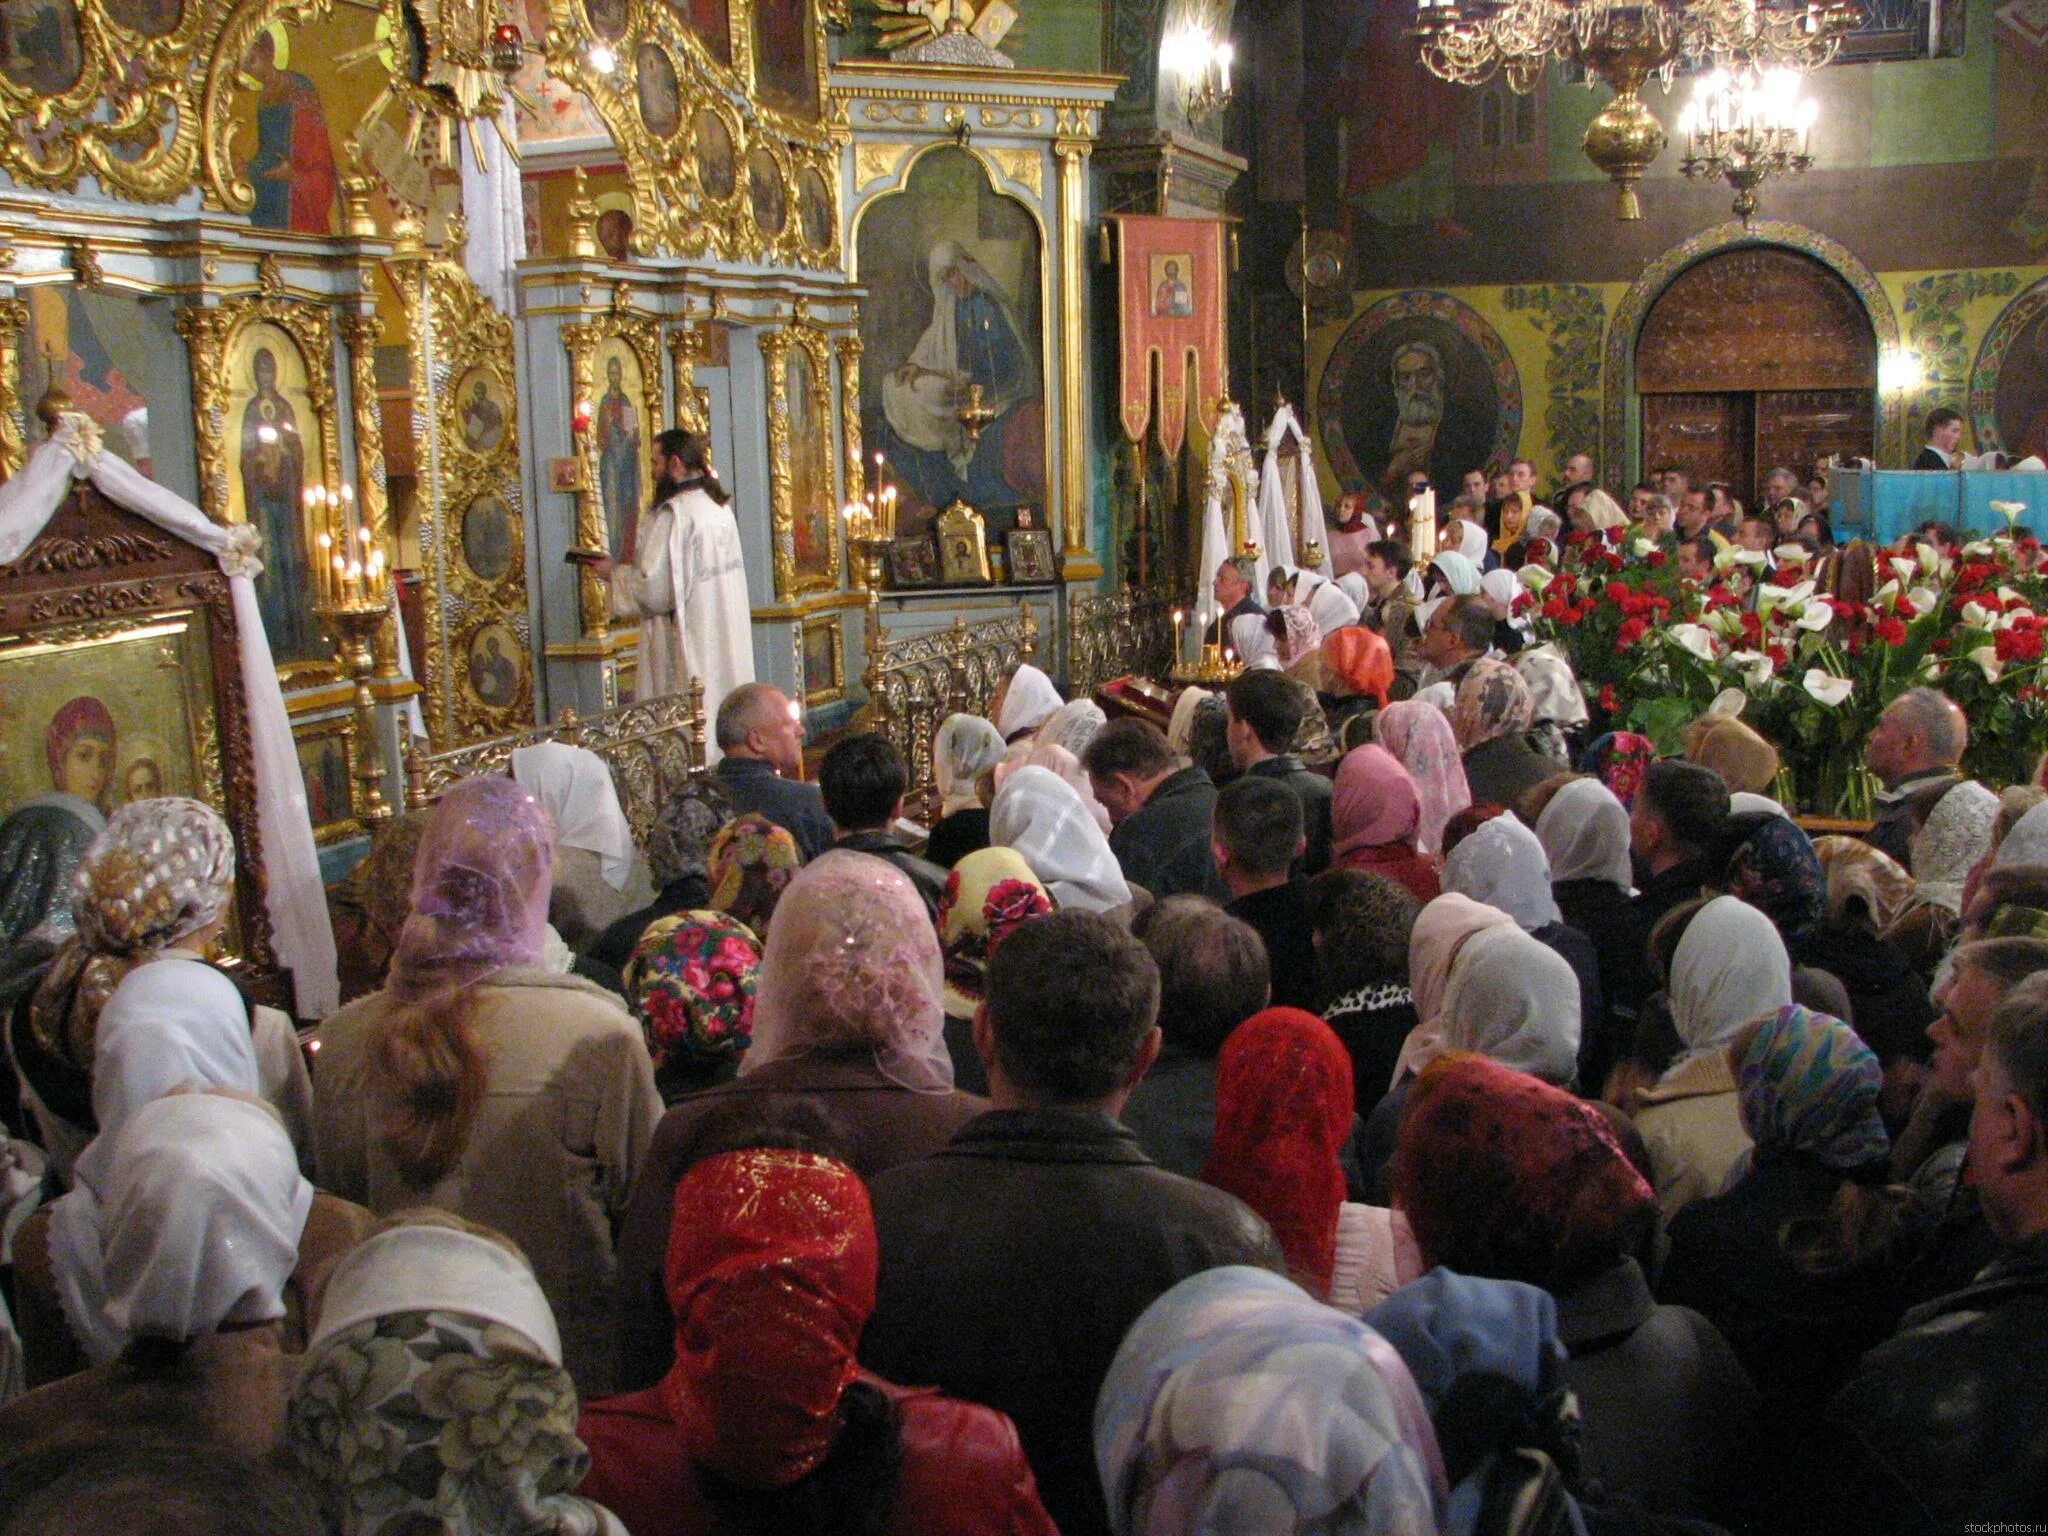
13	446
1072	155
848	344
360	333
685	348
580	341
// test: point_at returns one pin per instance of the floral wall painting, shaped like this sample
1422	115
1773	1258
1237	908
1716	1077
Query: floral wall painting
273	444
953	274
119	359
782	55
39	44
292	169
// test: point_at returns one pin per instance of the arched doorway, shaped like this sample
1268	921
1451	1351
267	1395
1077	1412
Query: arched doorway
1752	358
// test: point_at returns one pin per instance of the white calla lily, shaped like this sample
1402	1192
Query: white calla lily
1986	657
2009	510
1726	622
1729	701
1817	615
1923	599
1643	548
1907	569
1695	639
1977	616
1756	667
1979	549
1826	687
1929	556
1536	577
1724	559
1755	557
1790	554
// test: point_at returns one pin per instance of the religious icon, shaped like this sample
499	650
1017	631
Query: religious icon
716	172
494	669
143	777
292	170
480	408
913	562
2019	397
963	545
1172	298
824	674
810	463
615	233
654	84
39	45
782	55
1030	555
120	360
487	538
814	210
711	20
268	482
764	188
324	752
621	459
607	18
952	270
152	18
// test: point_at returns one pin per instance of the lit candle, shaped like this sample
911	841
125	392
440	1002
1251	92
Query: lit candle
1177	653
321	569
889	512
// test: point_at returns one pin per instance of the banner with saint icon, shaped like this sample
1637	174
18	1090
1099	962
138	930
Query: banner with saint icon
1170	303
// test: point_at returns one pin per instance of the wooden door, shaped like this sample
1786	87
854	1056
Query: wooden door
1707	436
1796	428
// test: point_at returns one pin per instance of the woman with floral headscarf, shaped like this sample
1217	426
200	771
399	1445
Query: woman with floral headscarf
434	1397
752	860
1795	1259
1490	718
1297	642
987	895
679	859
766	1420
849	1013
481	1082
1619	760
690	981
1504	1176
1420	736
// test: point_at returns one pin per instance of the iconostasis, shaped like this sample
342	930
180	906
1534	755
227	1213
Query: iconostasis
422	279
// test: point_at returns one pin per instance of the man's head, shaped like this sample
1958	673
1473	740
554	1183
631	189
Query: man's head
1979	975
1265	711
756	720
1125	762
1234	578
1658	517
1418	379
1945	428
1673	481
863	779
679	456
1919	732
1779	484
1677	814
1213	971
1721	500
1695	511
1474	485
1460	629
1521	475
1817	489
1257	833
1173	269
1578	469
1756	533
2009	1123
1386	566
1071	1016
1639	498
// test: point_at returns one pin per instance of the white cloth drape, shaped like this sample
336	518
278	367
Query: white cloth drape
492	207
575	788
1279	532
301	932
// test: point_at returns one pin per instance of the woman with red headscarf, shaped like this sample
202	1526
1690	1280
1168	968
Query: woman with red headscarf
766	1420
1358	670
1283	1113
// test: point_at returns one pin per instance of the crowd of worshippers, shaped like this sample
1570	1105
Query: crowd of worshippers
1335	1112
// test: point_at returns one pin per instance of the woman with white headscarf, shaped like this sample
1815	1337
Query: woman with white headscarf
1955	836
1252	643
849	1014
1072	726
176	1275
1728	969
1452	574
966	747
1024	701
1038	813
1558	704
599	874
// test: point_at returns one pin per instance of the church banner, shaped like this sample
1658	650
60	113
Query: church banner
1171	306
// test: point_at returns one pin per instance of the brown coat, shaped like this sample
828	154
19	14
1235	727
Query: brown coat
565	1122
877	1125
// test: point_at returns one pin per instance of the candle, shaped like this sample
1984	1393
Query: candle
1177	651
889	513
321	572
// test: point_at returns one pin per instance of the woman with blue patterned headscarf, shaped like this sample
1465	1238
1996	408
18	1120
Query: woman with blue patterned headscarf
1239	1403
1795	1261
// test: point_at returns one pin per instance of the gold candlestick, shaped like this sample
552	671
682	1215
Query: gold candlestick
357	620
974	416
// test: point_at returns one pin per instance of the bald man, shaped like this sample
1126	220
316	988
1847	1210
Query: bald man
1916	749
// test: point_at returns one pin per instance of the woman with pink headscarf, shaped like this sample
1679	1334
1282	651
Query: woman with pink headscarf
1374	816
485	1084
1420	736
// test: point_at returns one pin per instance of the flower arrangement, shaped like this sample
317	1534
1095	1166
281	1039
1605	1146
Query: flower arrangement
1810	670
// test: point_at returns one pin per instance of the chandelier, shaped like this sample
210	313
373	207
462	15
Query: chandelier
1747	126
1623	43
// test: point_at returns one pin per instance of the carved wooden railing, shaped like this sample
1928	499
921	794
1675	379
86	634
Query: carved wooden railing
1117	634
915	681
650	748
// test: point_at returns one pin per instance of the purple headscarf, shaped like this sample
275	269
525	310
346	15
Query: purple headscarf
480	887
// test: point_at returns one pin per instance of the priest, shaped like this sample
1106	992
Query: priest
686	584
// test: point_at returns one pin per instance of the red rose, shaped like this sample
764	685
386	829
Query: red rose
1608	699
1656	559
1891	631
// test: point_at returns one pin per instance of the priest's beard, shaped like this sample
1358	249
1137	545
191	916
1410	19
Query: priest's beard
666	486
1418	405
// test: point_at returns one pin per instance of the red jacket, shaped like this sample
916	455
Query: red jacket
963	1472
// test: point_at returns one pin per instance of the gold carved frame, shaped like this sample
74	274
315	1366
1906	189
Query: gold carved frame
211	335
455	335
775	345
342	727
673	211
581	340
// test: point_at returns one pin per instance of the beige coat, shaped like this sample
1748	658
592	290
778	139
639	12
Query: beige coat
566	1119
1692	1124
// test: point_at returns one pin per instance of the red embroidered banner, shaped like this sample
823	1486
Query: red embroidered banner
1171	305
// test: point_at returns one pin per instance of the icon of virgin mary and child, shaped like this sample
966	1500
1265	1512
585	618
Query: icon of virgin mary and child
974	338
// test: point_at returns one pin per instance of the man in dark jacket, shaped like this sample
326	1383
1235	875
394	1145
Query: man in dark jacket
1915	748
1014	1261
1257	836
1944	1427
1676	820
1233	589
763	742
1159	809
863	780
1266	709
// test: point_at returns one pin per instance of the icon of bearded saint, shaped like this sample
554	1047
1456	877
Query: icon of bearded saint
1418	380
